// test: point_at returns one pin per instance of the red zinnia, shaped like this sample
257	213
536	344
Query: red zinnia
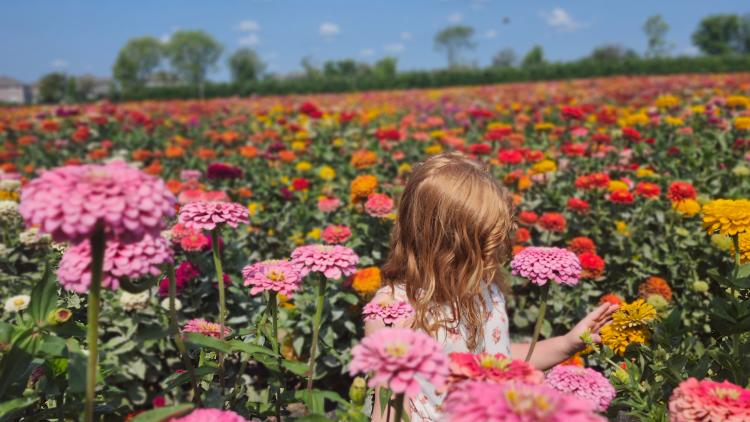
552	221
591	264
480	149
582	244
572	113
300	184
631	134
611	298
528	217
510	156
522	235
578	205
679	191
621	197
647	189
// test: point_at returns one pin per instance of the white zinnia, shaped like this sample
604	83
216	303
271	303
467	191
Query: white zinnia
17	303
131	302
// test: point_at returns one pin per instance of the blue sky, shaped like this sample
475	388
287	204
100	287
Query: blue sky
80	36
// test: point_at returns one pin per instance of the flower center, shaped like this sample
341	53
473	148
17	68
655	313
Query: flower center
489	361
396	349
19	301
275	275
524	403
724	393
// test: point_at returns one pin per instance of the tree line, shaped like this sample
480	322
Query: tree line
145	67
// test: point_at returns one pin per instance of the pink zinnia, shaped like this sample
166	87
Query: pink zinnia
335	234
389	312
274	275
490	367
473	401
189	239
209	215
584	383
328	204
379	205
212	415
707	400
542	264
198	195
133	260
70	202
397	357
190	175
333	261
201	326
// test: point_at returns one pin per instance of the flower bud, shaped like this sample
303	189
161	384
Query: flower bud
658	302
58	316
358	391
621	375
700	286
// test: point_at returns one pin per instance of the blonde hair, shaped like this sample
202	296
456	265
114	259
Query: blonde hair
451	238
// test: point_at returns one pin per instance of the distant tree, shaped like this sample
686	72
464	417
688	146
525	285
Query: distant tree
52	87
192	54
534	57
245	65
453	40
720	34
612	52
505	58
744	35
308	64
136	62
85	88
656	30
385	68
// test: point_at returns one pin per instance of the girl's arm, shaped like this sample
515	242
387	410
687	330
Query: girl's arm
550	352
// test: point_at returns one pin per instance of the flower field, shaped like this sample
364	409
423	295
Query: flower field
159	257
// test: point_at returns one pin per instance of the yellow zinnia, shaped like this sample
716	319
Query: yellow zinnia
622	228
727	216
366	281
433	149
619	339
636	314
687	207
667	101
303	166
615	185
742	123
327	173
544	166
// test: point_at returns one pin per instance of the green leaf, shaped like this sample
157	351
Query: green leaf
744	271
179	379
164	413
295	367
730	316
385	398
6	408
76	367
313	418
43	298
16	362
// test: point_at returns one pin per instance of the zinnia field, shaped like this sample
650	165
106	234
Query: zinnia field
214	260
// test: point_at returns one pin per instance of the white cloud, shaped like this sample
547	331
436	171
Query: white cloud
166	37
560	20
455	17
479	4
249	40
328	29
490	33
394	48
406	36
367	52
59	63
248	26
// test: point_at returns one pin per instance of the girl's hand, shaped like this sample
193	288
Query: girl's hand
592	323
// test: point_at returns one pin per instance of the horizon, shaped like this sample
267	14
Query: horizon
43	40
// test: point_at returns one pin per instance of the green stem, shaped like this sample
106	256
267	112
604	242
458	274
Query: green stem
98	245
539	320
274	308
399	406
222	300
320	293
735	273
176	332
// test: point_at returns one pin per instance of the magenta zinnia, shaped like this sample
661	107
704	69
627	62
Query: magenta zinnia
70	202
213	415
132	261
490	367
396	357
473	401
274	275
333	261
707	400
201	326
209	215
388	312
584	383
542	264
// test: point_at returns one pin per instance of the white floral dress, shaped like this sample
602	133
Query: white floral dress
425	407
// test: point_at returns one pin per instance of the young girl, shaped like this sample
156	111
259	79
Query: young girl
450	242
